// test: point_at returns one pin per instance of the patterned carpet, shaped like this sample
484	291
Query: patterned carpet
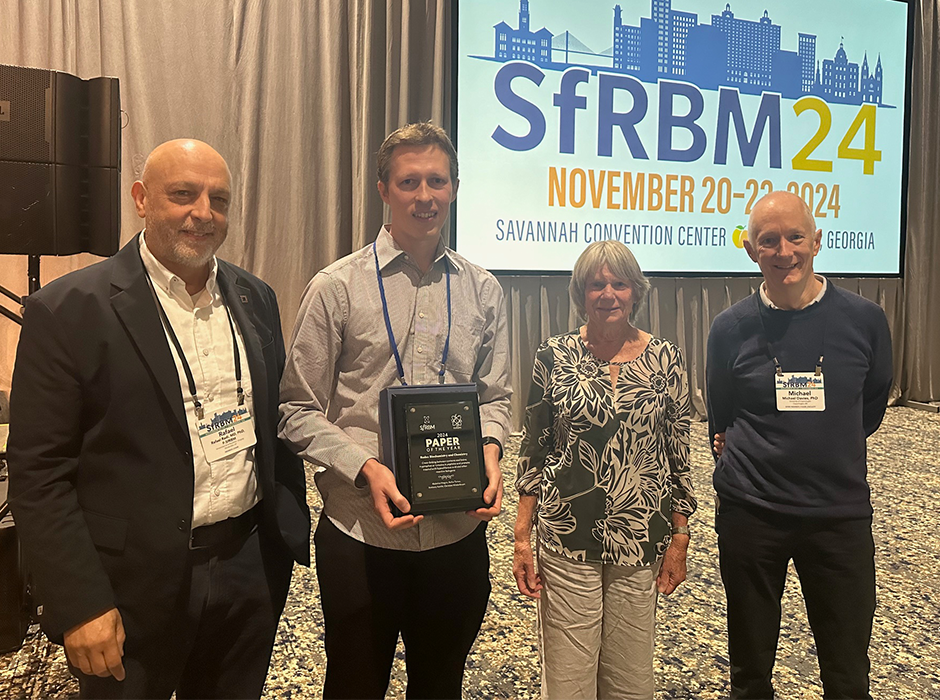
691	649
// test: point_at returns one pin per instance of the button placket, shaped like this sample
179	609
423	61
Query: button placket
423	346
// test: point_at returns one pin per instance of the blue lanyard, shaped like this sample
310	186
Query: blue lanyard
388	322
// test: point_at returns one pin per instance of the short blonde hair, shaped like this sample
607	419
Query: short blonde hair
622	265
417	134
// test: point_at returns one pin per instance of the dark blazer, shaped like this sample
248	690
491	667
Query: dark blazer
100	459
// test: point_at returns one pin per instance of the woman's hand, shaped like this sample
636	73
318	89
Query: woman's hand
672	571
523	568
523	563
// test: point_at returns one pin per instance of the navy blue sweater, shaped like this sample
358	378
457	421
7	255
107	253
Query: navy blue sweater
798	463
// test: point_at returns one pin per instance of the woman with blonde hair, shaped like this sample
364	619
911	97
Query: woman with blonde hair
604	476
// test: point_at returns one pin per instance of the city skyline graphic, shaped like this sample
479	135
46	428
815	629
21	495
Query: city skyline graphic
728	51
228	418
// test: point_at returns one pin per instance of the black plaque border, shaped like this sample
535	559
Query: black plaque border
395	451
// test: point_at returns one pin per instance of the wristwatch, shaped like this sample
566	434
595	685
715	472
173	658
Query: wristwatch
493	441
680	530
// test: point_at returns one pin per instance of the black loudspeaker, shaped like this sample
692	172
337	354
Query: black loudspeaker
60	163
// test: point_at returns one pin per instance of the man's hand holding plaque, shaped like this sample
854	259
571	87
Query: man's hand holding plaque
384	490
494	491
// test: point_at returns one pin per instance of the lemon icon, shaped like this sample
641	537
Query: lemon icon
740	233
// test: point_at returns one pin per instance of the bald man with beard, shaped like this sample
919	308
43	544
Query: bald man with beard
159	514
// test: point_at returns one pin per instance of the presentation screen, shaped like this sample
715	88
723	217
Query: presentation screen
660	123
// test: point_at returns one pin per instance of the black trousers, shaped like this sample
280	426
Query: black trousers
435	599
218	641
835	562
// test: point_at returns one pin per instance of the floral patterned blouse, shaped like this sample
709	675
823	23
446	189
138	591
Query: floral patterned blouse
609	465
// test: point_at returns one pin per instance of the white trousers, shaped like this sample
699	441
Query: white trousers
596	629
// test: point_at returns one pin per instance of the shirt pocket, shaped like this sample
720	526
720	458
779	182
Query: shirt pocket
466	339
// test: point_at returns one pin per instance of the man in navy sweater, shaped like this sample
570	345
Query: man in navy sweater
798	377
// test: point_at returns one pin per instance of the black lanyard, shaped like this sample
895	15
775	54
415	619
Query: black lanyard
778	369
388	322
200	412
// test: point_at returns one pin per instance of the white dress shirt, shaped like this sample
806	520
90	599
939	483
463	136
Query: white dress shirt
227	487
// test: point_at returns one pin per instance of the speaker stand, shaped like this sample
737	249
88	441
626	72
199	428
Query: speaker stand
32	270
32	273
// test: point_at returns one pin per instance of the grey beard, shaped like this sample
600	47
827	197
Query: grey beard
190	257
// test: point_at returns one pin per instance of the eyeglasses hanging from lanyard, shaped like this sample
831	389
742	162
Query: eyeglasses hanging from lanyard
200	411
388	322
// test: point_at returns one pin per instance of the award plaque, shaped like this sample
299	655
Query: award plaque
433	443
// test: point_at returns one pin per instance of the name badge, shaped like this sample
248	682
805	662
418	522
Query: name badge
800	391
227	431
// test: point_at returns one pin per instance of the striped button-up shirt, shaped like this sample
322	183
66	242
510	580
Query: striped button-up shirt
340	359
